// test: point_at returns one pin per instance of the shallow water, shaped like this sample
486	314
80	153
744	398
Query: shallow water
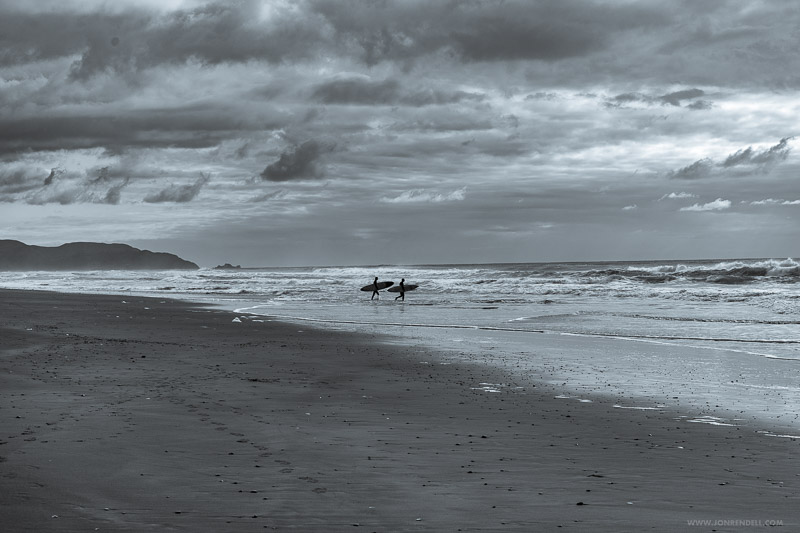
715	337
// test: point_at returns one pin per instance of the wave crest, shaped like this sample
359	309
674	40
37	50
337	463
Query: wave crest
725	272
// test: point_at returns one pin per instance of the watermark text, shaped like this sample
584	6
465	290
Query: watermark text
735	522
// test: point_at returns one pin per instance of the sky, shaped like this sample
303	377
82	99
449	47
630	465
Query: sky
336	132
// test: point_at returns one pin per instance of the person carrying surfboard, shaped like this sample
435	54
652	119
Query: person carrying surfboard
402	294
375	289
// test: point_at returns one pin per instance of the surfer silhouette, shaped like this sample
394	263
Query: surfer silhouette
402	295
375	289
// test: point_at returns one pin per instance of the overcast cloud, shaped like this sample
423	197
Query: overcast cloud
318	131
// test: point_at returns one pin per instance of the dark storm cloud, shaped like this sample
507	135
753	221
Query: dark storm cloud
64	187
700	105
728	42
297	162
675	98
178	193
749	160
360	91
765	158
221	32
626	98
480	30
699	169
73	133
636	40
213	34
135	39
357	91
26	37
498	38
183	127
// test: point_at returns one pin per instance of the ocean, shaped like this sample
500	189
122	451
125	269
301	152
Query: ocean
718	340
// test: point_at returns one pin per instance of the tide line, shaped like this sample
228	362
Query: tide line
656	339
397	324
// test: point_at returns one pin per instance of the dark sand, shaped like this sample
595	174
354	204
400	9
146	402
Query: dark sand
133	414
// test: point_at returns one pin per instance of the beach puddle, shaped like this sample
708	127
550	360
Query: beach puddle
495	387
567	397
489	387
712	420
771	434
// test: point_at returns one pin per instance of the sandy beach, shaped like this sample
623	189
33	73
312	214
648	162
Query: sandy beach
141	414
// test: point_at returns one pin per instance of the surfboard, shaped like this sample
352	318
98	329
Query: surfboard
381	285
408	287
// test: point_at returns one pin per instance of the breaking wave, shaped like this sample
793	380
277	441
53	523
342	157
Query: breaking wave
727	272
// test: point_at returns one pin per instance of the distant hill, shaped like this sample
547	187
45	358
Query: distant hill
15	255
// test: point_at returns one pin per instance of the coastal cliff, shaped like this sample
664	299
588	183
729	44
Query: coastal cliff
16	255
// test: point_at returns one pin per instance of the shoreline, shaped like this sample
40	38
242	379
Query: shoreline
596	367
155	414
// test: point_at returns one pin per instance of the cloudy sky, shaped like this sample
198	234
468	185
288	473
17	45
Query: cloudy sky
318	132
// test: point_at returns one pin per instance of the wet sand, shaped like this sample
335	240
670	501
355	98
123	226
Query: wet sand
135	414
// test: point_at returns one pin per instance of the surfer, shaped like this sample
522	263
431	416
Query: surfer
375	289
402	294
